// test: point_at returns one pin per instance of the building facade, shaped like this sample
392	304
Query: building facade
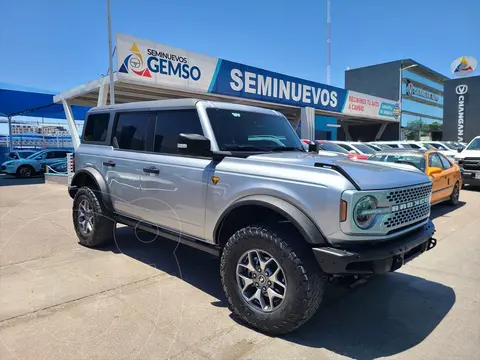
418	88
461	112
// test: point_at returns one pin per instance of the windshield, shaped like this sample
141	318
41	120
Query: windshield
454	145
252	131
474	145
332	147
364	149
34	155
416	160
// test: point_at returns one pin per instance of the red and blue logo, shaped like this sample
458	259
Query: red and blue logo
134	63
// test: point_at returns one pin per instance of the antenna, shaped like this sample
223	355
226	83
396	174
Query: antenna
328	43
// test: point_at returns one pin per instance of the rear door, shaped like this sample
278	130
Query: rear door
123	164
439	181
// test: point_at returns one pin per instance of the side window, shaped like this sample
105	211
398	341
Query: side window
60	154
395	146
435	161
51	155
445	162
169	124
131	131
346	147
414	146
96	127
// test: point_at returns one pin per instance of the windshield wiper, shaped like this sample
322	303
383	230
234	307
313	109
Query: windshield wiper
286	148
235	147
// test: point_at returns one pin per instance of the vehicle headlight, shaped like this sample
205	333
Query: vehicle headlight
364	212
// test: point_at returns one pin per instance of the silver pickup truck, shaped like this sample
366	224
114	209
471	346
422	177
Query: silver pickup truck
236	181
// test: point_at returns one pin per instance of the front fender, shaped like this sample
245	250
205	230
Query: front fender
304	224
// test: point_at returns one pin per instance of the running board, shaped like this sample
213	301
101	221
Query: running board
170	234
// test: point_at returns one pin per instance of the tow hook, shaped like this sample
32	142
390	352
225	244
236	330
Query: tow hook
431	243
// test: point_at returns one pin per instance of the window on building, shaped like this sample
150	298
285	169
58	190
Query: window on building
131	131
170	124
96	127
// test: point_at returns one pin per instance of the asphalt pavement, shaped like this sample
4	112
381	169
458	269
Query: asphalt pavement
150	298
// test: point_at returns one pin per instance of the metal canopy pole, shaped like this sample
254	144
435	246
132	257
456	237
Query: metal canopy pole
110	56
71	124
10	135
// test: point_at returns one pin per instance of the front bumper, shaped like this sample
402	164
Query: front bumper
468	177
376	258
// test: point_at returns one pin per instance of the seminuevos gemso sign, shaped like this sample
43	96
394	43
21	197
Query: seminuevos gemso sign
166	66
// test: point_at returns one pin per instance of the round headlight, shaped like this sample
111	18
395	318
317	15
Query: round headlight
362	212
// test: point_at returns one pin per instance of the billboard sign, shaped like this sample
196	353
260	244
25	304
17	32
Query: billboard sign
166	66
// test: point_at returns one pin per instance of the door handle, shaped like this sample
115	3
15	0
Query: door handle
109	163
151	170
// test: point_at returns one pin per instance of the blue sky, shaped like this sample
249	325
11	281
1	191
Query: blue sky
58	44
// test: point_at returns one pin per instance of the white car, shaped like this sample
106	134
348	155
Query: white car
355	147
394	144
469	161
443	148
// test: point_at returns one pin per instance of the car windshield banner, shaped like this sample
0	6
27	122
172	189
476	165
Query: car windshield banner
174	68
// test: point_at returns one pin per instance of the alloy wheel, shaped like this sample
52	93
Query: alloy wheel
261	280
85	217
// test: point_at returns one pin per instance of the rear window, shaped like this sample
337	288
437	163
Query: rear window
96	127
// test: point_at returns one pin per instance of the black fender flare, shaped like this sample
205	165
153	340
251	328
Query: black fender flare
97	178
304	224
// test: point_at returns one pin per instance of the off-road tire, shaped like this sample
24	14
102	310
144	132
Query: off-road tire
103	224
25	172
304	277
454	196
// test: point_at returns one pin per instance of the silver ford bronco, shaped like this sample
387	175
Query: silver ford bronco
236	181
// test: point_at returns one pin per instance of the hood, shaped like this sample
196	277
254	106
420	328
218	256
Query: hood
367	175
468	153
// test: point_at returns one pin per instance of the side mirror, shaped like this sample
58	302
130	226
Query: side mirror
193	144
460	149
352	152
433	170
38	158
313	147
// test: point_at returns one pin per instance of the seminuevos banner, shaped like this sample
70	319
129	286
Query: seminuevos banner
166	66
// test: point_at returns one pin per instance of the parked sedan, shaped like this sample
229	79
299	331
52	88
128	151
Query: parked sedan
356	148
446	176
35	163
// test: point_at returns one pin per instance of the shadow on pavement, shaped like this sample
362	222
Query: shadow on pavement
8	180
388	315
443	209
196	267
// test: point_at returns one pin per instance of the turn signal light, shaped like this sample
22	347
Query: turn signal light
343	211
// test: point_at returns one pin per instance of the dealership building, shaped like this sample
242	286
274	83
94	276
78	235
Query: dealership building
418	89
150	71
461	119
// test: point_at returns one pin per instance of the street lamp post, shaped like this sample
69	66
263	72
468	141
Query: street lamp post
400	93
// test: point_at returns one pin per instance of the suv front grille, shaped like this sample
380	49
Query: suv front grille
410	194
408	206
470	164
403	217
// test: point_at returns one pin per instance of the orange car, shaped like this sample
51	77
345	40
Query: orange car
446	176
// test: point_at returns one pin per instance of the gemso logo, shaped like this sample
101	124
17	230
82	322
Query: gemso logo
158	62
134	63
